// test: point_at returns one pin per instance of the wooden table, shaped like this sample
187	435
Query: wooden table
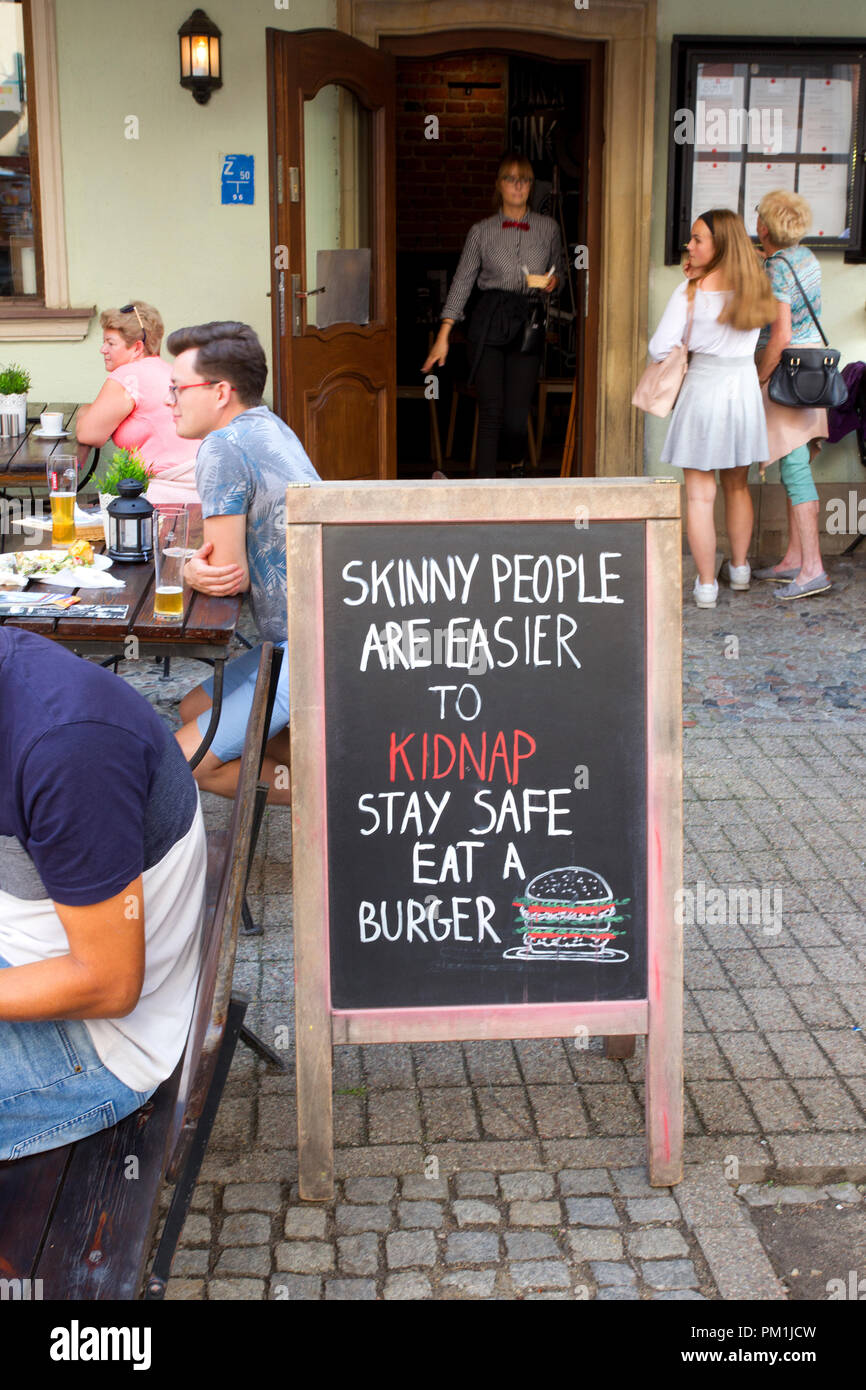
23	457
204	635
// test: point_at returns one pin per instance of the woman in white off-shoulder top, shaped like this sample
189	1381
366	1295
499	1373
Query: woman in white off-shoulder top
718	421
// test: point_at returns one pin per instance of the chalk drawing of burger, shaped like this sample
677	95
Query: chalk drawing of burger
568	914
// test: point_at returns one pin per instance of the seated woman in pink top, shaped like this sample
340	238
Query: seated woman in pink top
131	406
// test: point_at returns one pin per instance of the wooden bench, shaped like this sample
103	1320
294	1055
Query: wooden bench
82	1218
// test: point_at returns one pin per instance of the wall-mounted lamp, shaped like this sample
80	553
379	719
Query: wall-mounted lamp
200	60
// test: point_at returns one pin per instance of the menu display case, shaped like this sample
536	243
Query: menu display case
752	115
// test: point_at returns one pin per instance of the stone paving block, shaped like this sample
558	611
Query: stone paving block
634	1182
818	1007
678	1296
702	1059
617	1293
475	1185
233	1127
472	1283
202	1197
799	1055
406	1248
245	1228
738	1263
439	1064
591	1067
375	1160
540	1274
369	1189
705	1198
544	1060
417	1187
658	1243
189	1263
828	1105
413	1215
393	1117
574	1182
252	1196
504	1112
358	1254
531	1245
294	1288
591	1211
722	1106
407	1287
184	1290
644	1209
492	1063
245	1259
557	1110
722	1010
844	1192
490	1156
790	965
196	1230
352	1219
472	1248
622	1151
236	1290
472	1212
595	1245
746	968
532	1186
278	1123
776	1195
612	1272
614	1109
349	1120
350	1290
388	1066
846	1049
669	1274
449	1113
534	1214
776	1105
304	1256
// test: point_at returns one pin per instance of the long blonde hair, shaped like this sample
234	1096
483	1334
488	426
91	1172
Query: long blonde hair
752	303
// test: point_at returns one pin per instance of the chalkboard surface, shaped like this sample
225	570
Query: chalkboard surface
486	763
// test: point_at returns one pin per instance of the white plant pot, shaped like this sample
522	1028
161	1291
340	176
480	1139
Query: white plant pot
104	499
17	403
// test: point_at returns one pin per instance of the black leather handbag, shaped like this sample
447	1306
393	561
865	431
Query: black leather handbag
535	328
808	376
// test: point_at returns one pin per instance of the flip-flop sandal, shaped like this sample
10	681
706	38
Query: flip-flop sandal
777	575
818	585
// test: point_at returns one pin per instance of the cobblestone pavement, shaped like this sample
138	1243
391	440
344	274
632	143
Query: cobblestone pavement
534	1150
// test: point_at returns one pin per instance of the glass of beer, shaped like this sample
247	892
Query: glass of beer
62	474
170	554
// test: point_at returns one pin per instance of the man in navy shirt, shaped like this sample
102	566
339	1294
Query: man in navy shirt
102	867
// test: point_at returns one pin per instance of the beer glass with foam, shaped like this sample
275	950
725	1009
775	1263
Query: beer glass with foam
170	554
62	474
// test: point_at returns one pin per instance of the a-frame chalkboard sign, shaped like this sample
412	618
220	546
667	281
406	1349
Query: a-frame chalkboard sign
486	729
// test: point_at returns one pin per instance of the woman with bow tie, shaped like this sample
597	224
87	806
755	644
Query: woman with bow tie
515	256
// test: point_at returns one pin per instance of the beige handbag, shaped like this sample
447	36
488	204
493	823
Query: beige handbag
660	383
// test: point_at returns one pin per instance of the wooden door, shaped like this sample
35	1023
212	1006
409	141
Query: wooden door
331	136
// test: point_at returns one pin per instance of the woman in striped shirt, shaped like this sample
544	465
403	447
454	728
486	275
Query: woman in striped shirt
498	254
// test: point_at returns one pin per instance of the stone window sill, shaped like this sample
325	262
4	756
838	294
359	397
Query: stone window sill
36	323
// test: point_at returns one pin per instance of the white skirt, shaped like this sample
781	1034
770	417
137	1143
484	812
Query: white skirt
718	420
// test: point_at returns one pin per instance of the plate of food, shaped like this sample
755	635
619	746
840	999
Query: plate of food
76	567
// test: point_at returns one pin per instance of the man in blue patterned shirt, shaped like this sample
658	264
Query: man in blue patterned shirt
247	456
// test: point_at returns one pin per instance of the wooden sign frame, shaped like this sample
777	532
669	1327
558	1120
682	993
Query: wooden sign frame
318	1026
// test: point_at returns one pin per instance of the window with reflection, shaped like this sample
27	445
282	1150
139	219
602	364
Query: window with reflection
337	167
20	269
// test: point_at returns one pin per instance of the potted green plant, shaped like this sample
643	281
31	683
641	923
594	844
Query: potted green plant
125	463
14	385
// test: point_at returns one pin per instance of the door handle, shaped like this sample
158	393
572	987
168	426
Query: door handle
305	294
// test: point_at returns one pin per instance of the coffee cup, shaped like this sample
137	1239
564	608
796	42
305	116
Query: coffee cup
51	421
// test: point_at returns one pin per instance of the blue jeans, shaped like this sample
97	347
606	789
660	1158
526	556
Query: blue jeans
53	1087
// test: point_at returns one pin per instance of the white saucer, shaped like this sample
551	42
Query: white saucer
39	433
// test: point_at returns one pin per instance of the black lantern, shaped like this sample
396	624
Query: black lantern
200	62
130	523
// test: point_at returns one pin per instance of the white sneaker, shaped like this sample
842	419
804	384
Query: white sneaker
739	576
706	594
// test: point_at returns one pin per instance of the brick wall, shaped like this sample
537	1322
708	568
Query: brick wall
445	185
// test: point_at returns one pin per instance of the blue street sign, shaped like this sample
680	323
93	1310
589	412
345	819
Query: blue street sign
238	178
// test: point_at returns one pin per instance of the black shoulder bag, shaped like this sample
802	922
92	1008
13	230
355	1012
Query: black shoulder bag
808	376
